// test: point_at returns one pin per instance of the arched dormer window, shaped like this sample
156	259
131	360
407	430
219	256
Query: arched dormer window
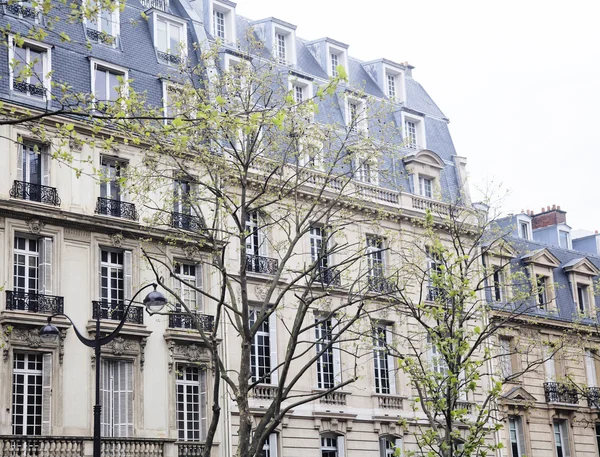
424	168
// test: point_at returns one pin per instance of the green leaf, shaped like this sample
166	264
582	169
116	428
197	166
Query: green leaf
177	122
342	72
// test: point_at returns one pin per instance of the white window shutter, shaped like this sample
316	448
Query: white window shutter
337	364
45	270
129	396
390	360
45	162
549	367
273	445
46	394
273	347
564	431
123	399
520	436
20	170
199	283
590	368
127	274
262	238
382	443
203	406
340	446
105	396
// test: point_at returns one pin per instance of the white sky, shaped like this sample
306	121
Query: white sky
519	80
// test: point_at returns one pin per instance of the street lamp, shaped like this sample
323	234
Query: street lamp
154	303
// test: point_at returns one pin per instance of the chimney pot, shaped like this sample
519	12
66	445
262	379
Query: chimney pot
542	210
558	207
553	207
596	232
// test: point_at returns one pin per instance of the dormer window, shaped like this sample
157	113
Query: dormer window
298	93
29	68
170	38
335	61
564	239
414	132
394	84
356	119
281	49
104	27
426	186
524	230
222	14
391	86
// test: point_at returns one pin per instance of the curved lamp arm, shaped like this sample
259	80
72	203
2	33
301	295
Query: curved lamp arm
111	336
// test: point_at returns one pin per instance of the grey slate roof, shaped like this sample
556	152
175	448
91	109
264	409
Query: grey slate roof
71	63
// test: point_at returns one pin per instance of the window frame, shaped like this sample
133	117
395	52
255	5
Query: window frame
38	382
45	50
109	411
321	334
181	52
420	140
109	68
561	438
383	363
518	437
96	25
228	12
342	59
375	255
202	404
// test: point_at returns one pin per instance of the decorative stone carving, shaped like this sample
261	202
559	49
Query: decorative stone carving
124	346
190	252
187	353
261	292
116	240
61	345
23	337
75	145
35	226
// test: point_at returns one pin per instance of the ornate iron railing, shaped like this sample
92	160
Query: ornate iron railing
186	222
186	321
557	392
37	446
329	277
35	193
189	449
116	208
34	303
263	265
21	10
434	293
162	5
114	311
99	36
169	58
35	90
593	397
380	284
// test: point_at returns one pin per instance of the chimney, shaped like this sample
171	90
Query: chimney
549	217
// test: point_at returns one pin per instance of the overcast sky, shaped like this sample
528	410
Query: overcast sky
519	80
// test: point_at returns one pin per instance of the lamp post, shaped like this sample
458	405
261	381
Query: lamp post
154	302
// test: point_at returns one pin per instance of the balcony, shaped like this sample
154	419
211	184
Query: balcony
388	401
34	303
557	392
35	193
436	293
75	446
593	397
335	398
380	285
114	311
162	5
329	277
186	222
99	37
264	392
33	90
262	265
189	449
169	59
22	9
116	208
185	321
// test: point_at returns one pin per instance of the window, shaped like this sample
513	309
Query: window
506	364
174	101
335	61
298	93
181	197
435	274
109	84
598	435
112	277
353	118
190	389
391	86
524	230
104	28
426	186
332	445
187	276
31	390
590	368
112	171
170	40
561	438
281	48
583	298
270	447
384	362
364	171
260	358
30	70
328	363
542	292
116	398
254	235
318	246
410	134
375	257
24	10
436	358
517	437
498	288
563	239
219	24
356	116
26	265
388	445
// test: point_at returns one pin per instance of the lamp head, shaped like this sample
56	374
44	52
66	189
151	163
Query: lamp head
49	333
155	301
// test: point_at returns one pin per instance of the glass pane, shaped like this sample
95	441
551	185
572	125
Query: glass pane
161	36
113	84
100	85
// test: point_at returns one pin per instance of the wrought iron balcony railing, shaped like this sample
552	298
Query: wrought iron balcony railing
114	310
329	277
34	303
557	392
593	397
186	222
116	208
23	10
185	321
99	36
380	284
35	193
436	293
263	265
35	90
171	59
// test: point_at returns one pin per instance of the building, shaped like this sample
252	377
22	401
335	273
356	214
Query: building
552	409
73	244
